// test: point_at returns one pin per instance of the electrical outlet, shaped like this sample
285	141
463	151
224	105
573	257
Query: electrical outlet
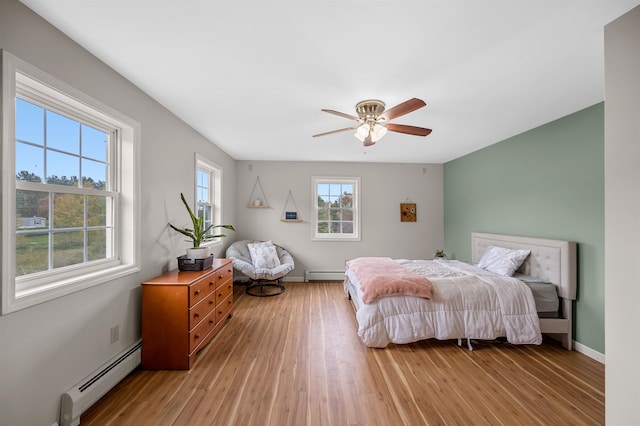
114	334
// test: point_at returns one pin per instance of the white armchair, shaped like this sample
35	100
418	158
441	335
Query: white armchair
264	263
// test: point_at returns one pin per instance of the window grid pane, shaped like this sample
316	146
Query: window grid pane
32	253
29	122
68	248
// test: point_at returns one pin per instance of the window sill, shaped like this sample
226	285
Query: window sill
33	296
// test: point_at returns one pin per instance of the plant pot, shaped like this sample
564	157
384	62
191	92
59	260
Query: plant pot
198	252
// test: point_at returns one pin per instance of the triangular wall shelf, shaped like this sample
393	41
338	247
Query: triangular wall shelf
289	215
257	200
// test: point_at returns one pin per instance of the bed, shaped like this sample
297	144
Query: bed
471	303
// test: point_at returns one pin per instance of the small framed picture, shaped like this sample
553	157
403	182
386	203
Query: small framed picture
407	212
290	215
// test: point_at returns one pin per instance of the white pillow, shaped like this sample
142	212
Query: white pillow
502	261
263	255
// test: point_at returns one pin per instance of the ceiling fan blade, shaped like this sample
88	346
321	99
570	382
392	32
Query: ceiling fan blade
402	109
341	114
409	130
336	131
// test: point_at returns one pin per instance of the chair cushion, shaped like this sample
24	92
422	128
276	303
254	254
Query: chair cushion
264	255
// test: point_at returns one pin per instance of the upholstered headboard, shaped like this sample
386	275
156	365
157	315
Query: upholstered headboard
552	260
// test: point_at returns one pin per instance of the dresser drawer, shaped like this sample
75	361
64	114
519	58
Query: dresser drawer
200	289
223	291
201	310
224	309
223	274
201	331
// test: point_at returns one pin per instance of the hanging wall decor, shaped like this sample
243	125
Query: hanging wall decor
290	213
257	199
407	212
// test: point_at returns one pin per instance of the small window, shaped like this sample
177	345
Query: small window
208	190
68	163
336	206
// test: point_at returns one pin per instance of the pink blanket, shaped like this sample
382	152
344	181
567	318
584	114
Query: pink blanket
382	276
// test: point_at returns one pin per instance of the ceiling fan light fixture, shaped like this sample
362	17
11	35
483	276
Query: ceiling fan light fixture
362	132
376	130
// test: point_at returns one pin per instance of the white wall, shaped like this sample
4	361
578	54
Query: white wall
622	218
47	348
383	187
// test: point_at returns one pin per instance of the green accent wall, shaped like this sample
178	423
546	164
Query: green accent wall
549	183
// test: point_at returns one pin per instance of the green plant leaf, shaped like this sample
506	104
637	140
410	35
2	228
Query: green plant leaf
199	233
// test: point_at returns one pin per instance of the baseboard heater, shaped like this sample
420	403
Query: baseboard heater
93	387
323	276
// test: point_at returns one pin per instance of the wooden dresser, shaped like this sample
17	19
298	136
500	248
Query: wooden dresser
181	312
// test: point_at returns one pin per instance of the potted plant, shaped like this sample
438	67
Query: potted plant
440	254
198	234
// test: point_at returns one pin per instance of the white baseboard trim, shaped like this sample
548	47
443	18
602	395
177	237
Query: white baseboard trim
591	353
320	275
244	280
93	387
284	279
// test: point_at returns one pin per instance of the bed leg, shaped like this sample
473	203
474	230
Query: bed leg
468	343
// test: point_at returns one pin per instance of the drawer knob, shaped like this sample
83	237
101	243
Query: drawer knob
196	315
210	282
197	292
196	337
210	321
210	302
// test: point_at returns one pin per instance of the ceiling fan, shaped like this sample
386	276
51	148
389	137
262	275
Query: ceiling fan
373	118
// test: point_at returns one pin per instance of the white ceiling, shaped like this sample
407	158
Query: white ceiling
252	76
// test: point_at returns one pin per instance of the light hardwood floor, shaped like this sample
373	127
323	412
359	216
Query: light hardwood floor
296	359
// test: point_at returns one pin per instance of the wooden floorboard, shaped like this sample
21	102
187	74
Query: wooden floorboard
296	359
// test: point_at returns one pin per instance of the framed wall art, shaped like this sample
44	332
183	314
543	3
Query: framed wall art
407	212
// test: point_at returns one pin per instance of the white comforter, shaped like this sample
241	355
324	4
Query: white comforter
468	302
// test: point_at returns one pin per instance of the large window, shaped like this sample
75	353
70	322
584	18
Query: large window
209	194
336	206
70	218
64	209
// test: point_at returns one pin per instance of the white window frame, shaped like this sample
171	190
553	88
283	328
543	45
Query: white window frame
215	195
355	181
29	82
